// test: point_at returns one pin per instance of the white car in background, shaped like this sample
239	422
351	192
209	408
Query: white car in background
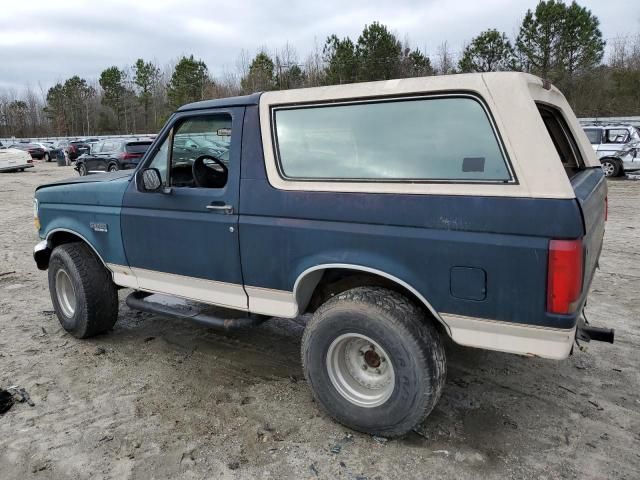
13	160
617	146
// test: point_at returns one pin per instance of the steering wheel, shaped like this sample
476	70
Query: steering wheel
209	176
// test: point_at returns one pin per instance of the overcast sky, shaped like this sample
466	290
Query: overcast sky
45	41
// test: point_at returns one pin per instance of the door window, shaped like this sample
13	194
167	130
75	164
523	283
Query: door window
199	154
106	147
617	135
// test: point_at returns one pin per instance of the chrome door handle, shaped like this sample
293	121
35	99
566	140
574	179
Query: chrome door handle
221	207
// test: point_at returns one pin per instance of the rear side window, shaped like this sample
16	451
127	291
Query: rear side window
563	140
594	135
422	139
139	147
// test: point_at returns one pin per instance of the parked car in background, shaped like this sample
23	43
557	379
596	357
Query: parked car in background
14	159
51	151
77	148
112	155
34	150
617	146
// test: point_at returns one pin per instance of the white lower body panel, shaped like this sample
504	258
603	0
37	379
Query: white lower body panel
201	290
553	343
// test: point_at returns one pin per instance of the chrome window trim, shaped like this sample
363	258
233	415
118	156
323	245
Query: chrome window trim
513	180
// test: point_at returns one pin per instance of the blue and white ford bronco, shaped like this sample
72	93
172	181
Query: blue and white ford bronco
396	212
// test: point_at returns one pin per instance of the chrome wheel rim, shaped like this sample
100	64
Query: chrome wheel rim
65	293
360	370
608	169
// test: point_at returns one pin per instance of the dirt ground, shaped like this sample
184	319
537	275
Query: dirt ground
160	398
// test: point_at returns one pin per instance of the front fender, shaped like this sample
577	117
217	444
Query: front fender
87	210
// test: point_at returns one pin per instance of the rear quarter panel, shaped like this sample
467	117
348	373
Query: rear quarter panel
418	239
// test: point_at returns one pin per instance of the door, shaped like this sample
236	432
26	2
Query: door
107	155
91	158
183	241
614	139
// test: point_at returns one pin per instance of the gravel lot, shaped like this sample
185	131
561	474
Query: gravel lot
159	398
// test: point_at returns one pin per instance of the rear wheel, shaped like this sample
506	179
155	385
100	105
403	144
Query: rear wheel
112	167
373	361
47	158
611	168
82	169
84	297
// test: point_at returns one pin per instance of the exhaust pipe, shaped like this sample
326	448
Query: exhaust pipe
597	334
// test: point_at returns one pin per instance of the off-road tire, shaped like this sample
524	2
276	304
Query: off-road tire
96	296
411	342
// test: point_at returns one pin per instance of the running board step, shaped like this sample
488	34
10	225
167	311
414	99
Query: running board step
207	315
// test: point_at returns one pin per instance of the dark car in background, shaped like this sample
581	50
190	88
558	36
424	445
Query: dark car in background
188	147
77	148
34	150
51	150
112	155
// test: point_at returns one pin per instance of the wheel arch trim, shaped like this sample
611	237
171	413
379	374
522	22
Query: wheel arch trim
80	236
307	281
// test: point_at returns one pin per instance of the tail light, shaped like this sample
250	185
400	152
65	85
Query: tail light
564	275
129	156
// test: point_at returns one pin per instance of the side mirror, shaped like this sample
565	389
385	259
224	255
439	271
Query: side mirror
150	180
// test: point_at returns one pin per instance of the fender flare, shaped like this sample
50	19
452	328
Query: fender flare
308	280
42	253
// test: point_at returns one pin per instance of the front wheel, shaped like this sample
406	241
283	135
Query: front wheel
84	297
373	361
82	169
610	168
47	158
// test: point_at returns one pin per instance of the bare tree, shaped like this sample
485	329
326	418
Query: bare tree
445	62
